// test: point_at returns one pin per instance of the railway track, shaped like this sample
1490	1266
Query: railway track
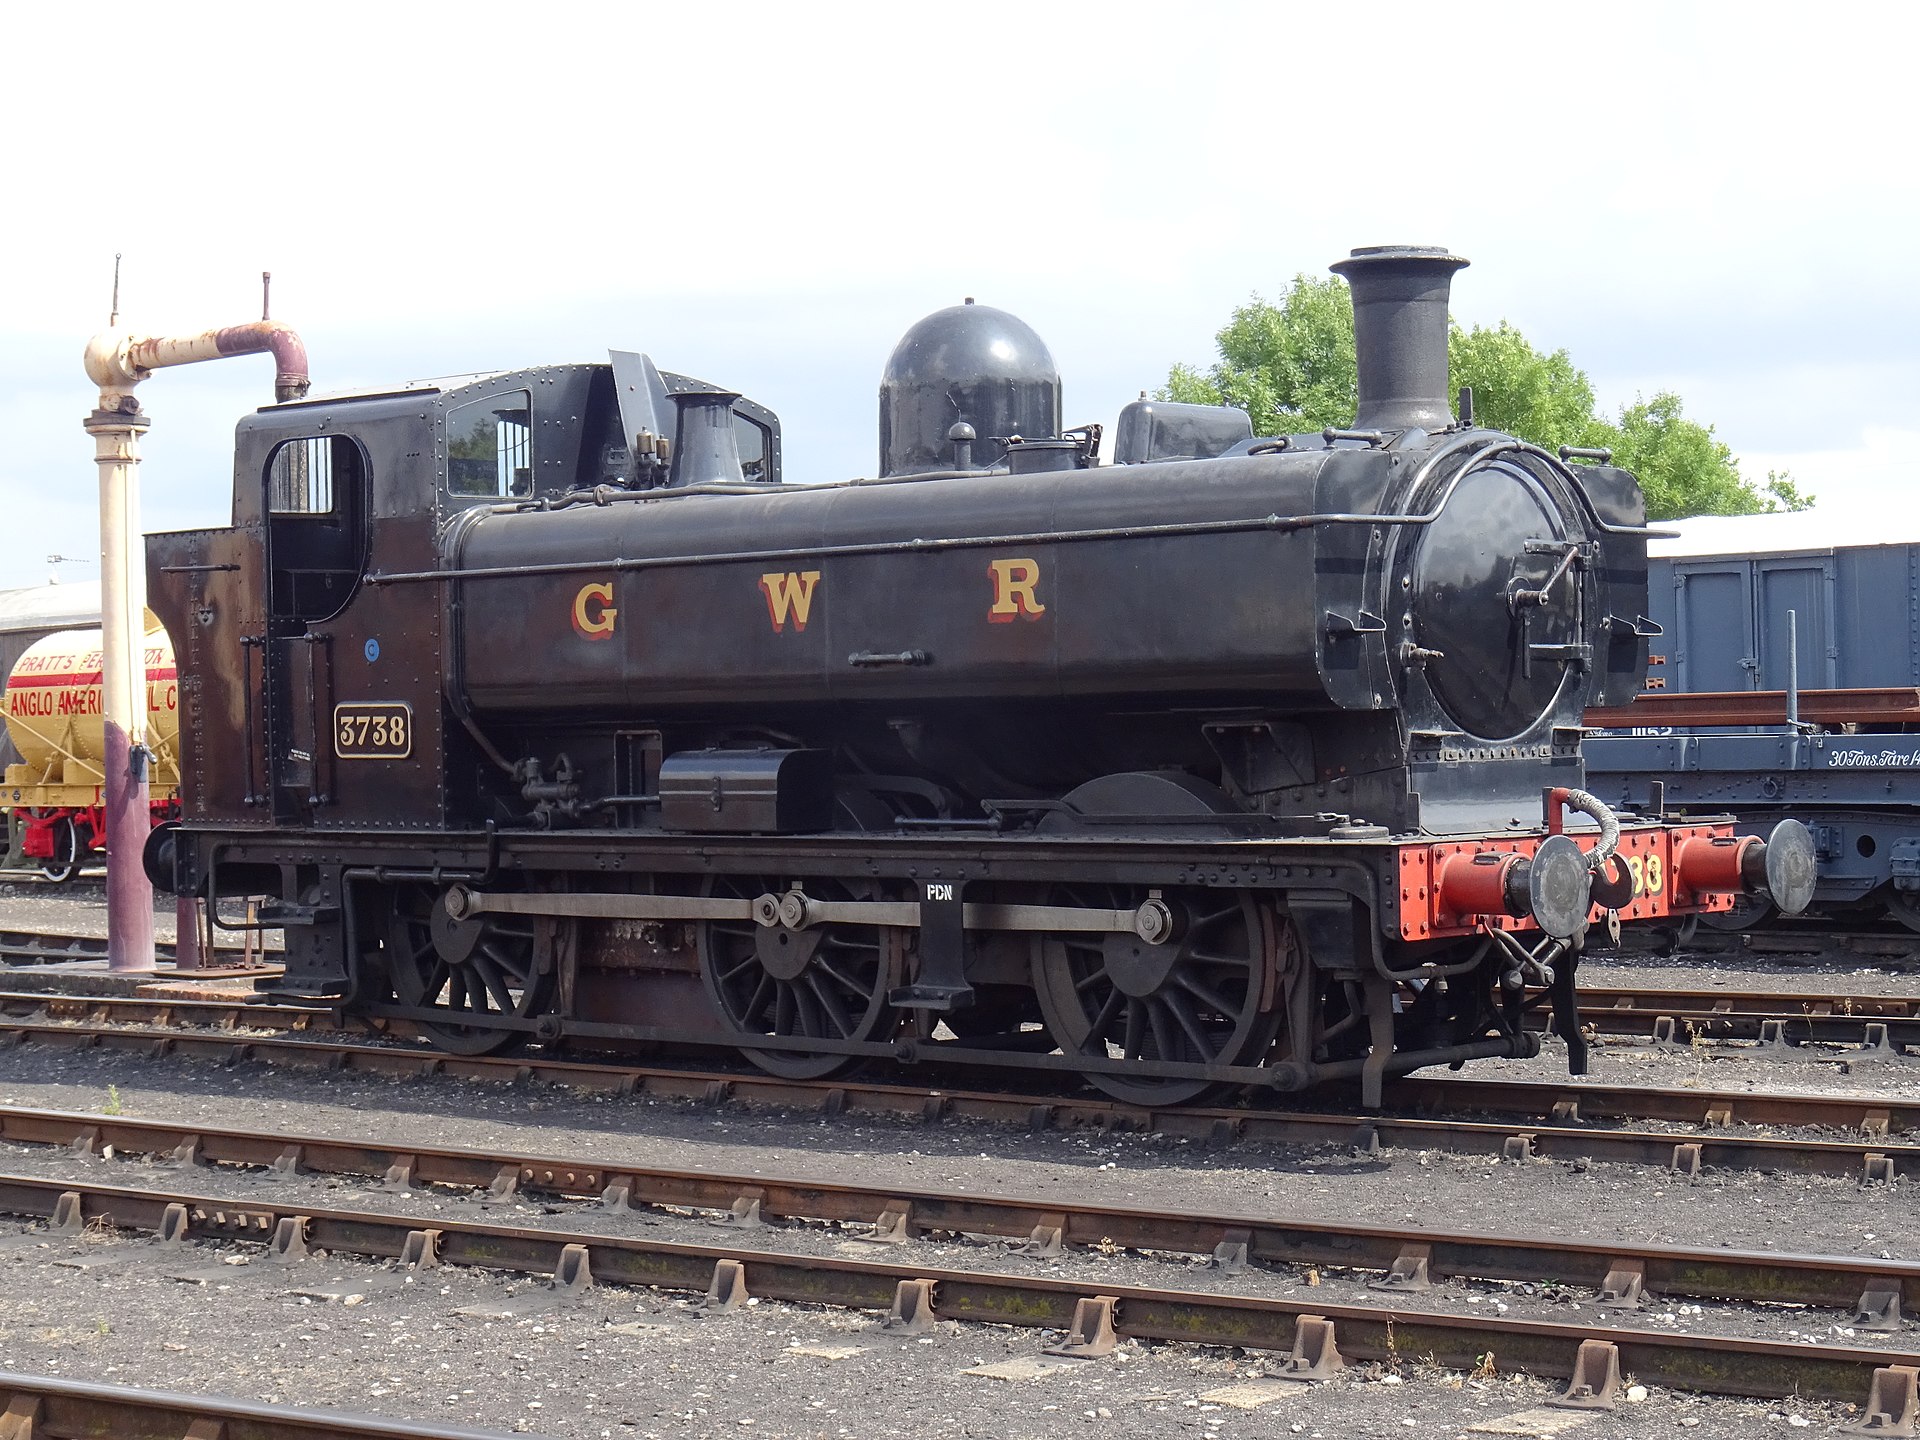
37	1407
1877	1025
1813	939
41	947
1541	1121
1407	1259
1094	1314
1718	1000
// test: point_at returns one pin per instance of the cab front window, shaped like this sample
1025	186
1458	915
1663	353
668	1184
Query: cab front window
490	446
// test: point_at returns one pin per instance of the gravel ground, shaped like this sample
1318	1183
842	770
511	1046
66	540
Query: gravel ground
638	1364
1732	1066
1803	977
893	1385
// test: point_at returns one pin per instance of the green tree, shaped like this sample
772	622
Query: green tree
1291	367
1543	398
1684	469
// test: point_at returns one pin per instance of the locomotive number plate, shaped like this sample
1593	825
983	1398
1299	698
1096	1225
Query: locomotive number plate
373	730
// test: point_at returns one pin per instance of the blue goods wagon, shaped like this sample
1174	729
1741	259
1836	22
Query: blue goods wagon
1785	682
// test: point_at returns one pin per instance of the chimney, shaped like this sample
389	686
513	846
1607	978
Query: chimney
1400	334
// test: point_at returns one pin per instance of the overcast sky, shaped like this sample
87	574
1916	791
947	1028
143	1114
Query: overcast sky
1719	200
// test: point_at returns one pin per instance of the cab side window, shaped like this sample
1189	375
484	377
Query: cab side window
751	438
316	526
300	475
490	446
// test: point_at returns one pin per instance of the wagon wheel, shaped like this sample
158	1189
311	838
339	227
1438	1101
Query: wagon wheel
478	971
1205	996
1904	906
1749	912
64	863
826	982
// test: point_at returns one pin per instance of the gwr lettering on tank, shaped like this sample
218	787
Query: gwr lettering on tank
594	613
1015	583
1016	594
789	596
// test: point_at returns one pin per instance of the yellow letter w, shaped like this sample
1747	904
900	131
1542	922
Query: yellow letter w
789	594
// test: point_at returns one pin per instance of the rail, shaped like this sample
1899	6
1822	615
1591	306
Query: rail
36	1406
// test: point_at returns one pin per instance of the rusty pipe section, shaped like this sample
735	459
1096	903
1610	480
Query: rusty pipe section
117	360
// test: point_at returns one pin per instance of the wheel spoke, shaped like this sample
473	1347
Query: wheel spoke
810	1020
497	986
1108	1012
1135	1032
476	982
1163	1038
763	996
1208	957
830	1006
822	969
1177	1005
1212	999
517	964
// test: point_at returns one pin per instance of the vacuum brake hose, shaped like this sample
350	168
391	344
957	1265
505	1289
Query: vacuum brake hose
1592	805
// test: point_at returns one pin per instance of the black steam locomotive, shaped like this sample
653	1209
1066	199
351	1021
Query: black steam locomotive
542	708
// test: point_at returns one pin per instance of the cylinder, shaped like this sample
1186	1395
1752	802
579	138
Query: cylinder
1400	297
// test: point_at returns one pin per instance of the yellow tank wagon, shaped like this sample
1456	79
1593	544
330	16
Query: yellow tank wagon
53	796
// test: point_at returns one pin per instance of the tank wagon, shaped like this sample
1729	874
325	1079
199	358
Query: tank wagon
543	706
30	615
51	741
1787	682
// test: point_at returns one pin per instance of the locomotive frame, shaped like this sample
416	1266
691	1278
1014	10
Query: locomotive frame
1139	772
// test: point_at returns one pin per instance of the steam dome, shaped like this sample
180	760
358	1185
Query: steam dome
968	363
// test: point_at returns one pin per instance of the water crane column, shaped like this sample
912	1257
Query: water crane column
117	361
